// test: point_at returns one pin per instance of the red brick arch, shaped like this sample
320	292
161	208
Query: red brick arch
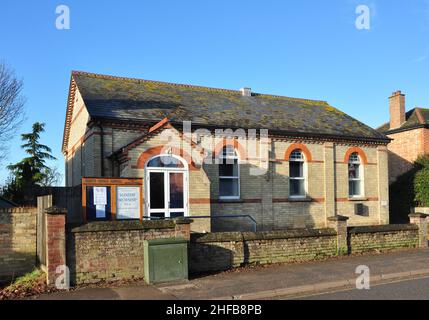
298	146
156	151
237	146
357	150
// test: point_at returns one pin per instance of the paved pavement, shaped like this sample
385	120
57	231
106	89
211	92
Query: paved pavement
271	281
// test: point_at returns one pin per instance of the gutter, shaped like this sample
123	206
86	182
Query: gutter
271	131
399	130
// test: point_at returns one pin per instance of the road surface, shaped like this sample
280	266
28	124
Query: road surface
415	289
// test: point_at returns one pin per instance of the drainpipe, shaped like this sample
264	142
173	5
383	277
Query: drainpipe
101	148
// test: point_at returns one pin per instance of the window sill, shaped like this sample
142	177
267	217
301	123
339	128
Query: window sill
358	199
230	200
302	199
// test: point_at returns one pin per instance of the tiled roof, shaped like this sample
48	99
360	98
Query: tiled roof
414	118
116	98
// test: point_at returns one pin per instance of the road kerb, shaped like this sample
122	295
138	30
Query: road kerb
320	287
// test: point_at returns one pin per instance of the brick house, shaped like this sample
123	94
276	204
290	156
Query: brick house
320	162
409	132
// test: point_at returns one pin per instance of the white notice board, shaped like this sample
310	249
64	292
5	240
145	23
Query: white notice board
100	196
127	203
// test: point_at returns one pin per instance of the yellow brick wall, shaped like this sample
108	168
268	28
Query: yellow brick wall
266	197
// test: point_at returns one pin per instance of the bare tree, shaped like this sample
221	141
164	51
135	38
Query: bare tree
52	177
11	106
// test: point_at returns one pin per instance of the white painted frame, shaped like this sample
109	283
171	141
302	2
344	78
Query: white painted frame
304	173
238	177
166	171
361	177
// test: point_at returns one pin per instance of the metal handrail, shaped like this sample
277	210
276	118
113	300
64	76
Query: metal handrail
253	221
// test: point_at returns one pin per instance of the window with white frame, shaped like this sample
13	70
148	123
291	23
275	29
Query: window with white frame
229	174
355	176
297	187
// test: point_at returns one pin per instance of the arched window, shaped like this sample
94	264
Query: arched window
229	174
297	183
165	161
355	176
166	187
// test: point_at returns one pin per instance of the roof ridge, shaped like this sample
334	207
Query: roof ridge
419	116
231	91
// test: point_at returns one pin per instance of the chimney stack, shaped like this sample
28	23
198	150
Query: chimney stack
246	92
397	109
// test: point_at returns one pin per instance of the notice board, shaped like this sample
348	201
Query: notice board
96	210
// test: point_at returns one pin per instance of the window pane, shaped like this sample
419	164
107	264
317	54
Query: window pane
228	188
297	187
354	171
354	158
176	191
157	190
296	169
296	155
355	188
160	215
228	170
175	215
165	162
228	151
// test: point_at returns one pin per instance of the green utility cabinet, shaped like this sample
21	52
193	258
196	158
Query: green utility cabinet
165	260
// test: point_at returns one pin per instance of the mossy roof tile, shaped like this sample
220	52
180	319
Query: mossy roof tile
124	99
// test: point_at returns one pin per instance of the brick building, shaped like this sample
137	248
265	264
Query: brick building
409	132
286	162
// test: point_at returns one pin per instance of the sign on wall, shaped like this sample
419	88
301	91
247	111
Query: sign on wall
100	196
128	203
100	202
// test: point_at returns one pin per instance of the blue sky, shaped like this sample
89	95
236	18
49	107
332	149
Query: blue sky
305	48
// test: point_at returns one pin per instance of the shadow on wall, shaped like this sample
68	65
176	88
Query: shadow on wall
398	166
17	246
210	259
71	255
402	197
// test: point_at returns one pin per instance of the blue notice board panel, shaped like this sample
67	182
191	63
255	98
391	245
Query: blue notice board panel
104	212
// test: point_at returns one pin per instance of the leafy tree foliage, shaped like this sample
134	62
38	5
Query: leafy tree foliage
32	170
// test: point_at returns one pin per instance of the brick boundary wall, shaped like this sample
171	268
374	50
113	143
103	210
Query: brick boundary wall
223	251
17	242
114	250
383	238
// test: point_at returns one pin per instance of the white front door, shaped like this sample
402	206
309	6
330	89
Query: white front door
166	193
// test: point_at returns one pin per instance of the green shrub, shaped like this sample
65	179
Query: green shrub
421	181
410	190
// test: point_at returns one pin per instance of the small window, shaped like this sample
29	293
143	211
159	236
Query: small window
229	174
297	174
355	176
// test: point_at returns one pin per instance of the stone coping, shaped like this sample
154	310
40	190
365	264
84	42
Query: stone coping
268	235
418	215
338	218
383	228
100	226
18	210
55	210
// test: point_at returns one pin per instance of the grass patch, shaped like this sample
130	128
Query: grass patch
27	285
